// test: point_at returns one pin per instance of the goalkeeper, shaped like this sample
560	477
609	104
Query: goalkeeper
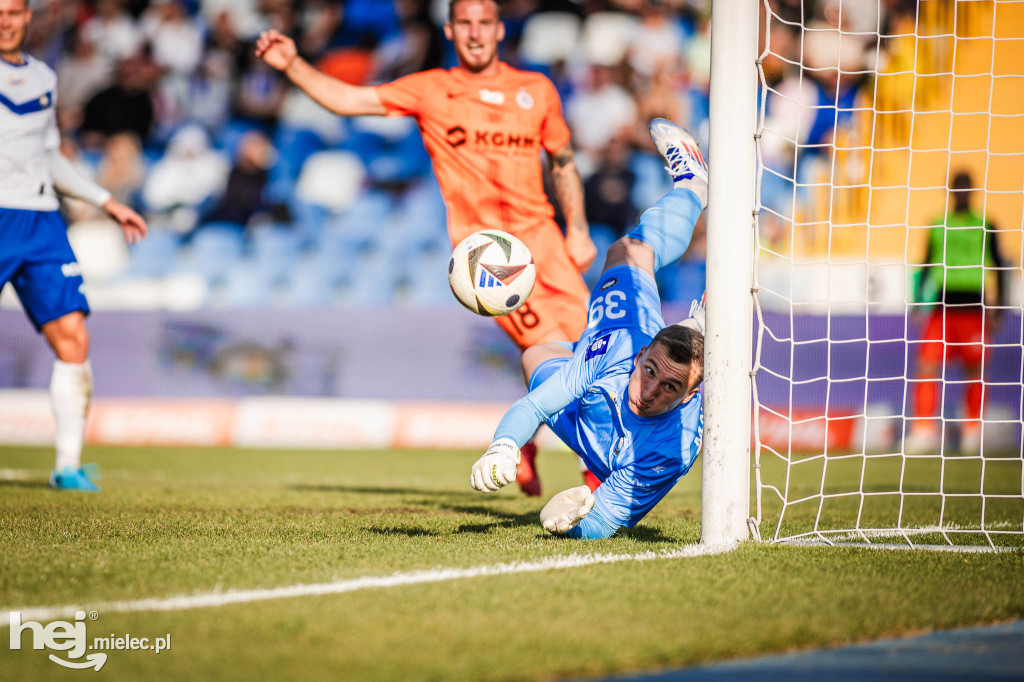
626	396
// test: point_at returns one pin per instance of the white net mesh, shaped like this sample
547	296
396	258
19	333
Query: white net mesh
888	396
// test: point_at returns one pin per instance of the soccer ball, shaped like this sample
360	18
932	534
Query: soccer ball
491	273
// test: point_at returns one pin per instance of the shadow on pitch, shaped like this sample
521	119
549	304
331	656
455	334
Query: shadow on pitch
381	490
23	483
409	532
648	534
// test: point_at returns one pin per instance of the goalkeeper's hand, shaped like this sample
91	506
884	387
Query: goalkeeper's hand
696	318
497	467
566	509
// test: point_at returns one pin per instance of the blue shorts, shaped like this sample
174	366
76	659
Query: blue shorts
625	296
37	259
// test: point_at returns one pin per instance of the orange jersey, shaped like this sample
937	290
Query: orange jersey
484	134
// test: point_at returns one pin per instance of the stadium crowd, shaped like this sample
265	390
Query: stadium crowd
266	199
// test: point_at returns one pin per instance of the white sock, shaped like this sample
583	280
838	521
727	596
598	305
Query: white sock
70	390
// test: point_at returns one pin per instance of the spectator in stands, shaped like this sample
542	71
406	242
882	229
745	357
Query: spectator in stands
608	191
113	31
209	91
835	54
658	40
244	195
664	94
961	264
259	92
186	181
600	110
177	48
81	73
126	106
122	168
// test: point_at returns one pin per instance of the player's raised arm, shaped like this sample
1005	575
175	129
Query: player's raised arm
344	99
569	190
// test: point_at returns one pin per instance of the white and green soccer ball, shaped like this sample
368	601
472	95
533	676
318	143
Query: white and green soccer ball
491	273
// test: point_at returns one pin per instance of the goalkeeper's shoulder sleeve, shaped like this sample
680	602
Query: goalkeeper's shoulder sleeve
593	526
530	411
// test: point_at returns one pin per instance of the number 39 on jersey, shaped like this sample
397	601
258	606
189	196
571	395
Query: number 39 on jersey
611	305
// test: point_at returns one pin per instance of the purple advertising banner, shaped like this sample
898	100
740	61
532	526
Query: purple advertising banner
452	355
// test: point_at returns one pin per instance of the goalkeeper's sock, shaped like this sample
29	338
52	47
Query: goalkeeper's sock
668	225
70	390
526	475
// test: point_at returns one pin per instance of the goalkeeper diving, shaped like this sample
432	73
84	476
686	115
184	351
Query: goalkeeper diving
626	396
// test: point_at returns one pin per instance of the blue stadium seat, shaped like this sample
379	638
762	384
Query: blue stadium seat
294	146
604	236
373	280
425	282
682	282
155	255
422	214
651	179
391	148
364	221
214	248
246	287
308	221
275	250
313	284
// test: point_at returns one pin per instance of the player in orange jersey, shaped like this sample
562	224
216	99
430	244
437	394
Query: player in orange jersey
484	124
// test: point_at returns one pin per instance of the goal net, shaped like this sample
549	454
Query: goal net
887	379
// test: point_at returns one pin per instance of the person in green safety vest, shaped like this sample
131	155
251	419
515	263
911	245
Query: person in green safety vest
959	270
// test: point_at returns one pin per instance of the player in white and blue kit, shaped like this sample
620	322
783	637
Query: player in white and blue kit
626	396
35	256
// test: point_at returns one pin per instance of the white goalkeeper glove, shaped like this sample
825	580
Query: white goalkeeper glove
497	467
696	318
566	509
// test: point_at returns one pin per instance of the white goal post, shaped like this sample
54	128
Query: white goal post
730	243
864	380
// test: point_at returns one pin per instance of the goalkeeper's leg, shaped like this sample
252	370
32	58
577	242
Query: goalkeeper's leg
665	229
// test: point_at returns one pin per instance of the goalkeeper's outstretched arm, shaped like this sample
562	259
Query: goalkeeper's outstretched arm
497	467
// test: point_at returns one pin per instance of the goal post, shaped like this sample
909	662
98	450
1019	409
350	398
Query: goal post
864	360
730	247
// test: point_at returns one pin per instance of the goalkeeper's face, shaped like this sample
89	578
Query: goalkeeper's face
659	384
475	30
14	19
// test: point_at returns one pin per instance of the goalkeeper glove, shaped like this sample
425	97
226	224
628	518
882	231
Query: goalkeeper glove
696	318
566	509
496	468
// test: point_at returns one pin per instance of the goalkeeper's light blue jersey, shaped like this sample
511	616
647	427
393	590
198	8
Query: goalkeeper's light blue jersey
583	399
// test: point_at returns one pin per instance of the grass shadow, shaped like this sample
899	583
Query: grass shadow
380	490
23	483
410	532
517	519
650	535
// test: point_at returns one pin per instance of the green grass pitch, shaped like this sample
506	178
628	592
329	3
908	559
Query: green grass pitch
189	521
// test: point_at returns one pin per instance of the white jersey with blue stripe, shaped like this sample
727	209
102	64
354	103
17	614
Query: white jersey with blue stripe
28	132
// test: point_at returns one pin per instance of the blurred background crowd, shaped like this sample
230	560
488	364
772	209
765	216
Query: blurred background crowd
257	197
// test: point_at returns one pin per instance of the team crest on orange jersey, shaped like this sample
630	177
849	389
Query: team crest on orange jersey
524	99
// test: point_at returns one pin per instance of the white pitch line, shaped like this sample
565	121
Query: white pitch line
435	575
